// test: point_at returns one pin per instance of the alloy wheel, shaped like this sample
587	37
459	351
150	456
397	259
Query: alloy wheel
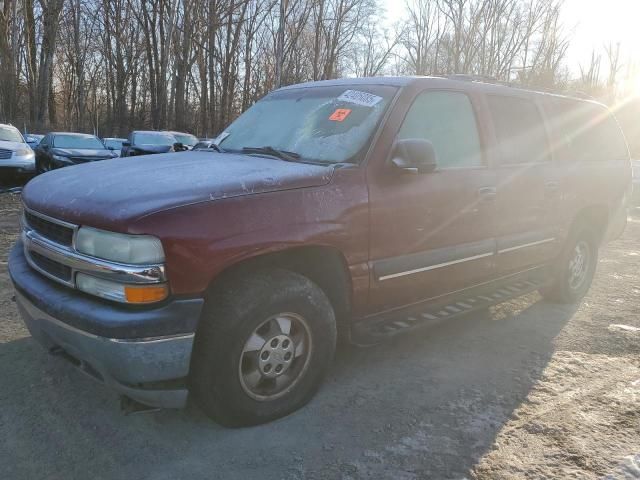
275	356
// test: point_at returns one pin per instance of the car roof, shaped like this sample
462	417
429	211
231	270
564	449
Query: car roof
153	132
7	125
75	134
115	138
467	82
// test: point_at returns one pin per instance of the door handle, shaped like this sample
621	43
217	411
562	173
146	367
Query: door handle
488	193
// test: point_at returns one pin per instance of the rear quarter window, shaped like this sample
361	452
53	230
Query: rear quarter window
586	132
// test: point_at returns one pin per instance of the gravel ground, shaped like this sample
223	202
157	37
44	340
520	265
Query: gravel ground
526	389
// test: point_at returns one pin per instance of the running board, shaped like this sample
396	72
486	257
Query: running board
371	331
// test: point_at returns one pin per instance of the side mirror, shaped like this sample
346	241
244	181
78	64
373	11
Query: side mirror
414	155
126	144
179	147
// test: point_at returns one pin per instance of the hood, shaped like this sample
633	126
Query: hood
152	148
107	194
82	152
13	145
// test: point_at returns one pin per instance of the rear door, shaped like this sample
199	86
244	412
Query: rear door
527	182
432	233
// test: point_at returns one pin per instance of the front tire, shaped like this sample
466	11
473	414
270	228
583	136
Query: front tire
263	347
575	268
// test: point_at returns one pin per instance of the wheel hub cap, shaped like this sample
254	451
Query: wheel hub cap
578	265
275	356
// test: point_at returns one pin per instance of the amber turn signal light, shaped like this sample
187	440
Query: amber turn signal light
146	293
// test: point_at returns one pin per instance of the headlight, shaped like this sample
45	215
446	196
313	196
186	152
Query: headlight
23	152
119	292
118	247
60	158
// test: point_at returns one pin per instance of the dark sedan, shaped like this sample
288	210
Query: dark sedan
60	149
149	142
33	139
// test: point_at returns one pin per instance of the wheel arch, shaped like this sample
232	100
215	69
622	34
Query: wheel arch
326	266
595	217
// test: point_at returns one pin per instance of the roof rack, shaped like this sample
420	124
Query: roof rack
466	77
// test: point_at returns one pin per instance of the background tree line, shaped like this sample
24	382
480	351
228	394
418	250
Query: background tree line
109	66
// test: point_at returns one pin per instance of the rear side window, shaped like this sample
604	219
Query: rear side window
447	120
519	130
586	132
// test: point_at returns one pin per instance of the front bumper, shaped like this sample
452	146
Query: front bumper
25	164
92	334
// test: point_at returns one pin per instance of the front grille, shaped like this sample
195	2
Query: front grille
51	267
5	154
53	231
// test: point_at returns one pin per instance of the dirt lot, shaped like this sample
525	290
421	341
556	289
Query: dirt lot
527	389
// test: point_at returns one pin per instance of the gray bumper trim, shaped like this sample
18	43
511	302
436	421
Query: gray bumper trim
128	366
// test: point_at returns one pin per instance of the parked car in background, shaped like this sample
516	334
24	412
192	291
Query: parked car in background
355	207
33	139
63	149
636	183
114	144
208	144
16	156
186	139
141	142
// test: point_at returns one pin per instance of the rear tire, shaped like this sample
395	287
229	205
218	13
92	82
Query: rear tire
263	346
574	269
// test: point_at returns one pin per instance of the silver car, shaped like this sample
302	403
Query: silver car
16	156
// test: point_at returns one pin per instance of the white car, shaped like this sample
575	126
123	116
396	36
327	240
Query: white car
16	156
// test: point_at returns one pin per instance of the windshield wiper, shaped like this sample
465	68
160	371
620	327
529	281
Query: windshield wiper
274	152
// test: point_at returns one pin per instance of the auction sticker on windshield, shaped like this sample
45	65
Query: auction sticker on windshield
340	114
360	98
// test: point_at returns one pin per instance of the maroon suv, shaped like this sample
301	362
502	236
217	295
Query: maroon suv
359	208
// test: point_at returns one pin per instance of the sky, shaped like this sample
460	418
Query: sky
594	23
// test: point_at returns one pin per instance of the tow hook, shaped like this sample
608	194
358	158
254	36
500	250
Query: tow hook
129	406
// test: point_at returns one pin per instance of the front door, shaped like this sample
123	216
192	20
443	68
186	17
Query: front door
432	233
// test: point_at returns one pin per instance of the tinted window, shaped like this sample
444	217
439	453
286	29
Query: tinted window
587	132
447	120
77	141
519	130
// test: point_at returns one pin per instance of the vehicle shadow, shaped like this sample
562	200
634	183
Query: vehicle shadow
424	405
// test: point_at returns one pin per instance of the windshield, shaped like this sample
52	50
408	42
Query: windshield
113	143
10	134
186	139
162	139
325	124
78	141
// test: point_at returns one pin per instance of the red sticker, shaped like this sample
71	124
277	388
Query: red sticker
340	114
